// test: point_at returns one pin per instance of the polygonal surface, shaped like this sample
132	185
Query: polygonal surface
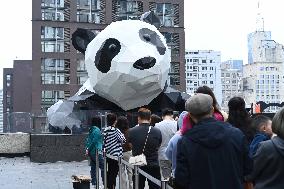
133	70
150	17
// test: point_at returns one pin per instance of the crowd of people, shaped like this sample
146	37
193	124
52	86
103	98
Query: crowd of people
206	147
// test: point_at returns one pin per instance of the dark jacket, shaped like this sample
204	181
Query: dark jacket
268	172
258	138
212	155
137	137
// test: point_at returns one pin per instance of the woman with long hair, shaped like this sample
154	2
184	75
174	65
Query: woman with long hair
218	114
240	118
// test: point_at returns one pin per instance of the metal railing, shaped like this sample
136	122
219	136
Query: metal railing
163	183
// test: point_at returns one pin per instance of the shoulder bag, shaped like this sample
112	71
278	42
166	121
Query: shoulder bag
140	159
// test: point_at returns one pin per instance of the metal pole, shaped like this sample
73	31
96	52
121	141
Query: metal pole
97	169
105	169
136	173
120	172
163	184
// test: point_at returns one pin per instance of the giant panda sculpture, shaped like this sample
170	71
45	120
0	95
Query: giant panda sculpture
128	65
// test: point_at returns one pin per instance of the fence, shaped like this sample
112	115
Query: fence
37	123
163	183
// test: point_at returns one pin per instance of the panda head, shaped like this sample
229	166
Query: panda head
127	63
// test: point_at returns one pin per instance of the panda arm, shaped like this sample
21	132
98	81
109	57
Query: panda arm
86	88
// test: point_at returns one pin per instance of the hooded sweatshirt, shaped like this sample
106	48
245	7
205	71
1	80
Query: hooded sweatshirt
268	171
212	155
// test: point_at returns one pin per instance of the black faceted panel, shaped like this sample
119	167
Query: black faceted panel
109	49
153	38
151	18
145	63
81	38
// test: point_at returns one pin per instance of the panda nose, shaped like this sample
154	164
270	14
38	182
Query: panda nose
144	63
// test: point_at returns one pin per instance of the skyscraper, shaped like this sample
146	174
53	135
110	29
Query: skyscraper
263	76
59	70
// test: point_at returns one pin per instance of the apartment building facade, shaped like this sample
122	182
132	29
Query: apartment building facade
203	68
231	78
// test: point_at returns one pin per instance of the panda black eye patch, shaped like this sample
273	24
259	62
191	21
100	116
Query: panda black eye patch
109	49
152	37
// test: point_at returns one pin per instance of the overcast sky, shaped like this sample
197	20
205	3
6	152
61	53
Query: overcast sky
220	25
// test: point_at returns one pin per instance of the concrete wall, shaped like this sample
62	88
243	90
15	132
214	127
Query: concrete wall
52	148
14	143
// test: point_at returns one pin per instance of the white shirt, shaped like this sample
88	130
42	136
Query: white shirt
168	129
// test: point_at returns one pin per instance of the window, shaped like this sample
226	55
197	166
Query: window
55	39
55	71
8	80
211	61
90	11
262	76
203	61
127	10
48	98
211	68
167	12
211	82
174	76
55	10
173	41
82	74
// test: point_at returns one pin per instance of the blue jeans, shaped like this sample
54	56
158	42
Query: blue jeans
93	169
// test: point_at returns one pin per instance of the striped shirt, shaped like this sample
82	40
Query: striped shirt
113	140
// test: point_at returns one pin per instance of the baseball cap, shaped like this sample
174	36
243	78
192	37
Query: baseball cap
199	104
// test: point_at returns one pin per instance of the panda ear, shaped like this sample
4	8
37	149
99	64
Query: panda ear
151	18
81	38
